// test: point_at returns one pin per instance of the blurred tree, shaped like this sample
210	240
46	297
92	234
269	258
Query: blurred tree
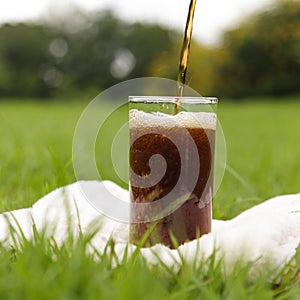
80	54
147	42
201	71
76	54
22	49
262	56
91	52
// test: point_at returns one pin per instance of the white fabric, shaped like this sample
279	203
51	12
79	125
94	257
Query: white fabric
269	232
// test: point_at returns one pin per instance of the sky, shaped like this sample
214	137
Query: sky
211	16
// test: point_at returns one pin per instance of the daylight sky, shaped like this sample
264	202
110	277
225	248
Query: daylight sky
211	16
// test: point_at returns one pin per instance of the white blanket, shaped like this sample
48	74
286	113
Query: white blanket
269	232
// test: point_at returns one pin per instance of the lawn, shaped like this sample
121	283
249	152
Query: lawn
36	157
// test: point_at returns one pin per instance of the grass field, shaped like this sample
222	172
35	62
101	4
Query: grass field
36	157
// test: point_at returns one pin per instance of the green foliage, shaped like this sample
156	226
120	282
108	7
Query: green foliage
22	50
262	55
82	54
78	55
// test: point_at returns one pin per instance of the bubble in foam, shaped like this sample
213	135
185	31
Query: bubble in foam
206	120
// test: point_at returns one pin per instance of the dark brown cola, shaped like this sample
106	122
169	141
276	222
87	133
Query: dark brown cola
188	154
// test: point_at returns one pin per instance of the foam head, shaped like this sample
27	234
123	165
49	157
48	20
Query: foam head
206	120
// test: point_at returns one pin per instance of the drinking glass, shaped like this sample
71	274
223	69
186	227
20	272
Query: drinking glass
171	168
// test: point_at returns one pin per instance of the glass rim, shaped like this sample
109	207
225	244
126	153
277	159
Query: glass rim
173	99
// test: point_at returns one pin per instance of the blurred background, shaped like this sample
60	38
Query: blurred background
52	51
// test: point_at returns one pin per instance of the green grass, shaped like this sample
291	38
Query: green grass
262	153
36	157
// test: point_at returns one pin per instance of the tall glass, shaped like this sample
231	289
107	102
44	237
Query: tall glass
171	168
